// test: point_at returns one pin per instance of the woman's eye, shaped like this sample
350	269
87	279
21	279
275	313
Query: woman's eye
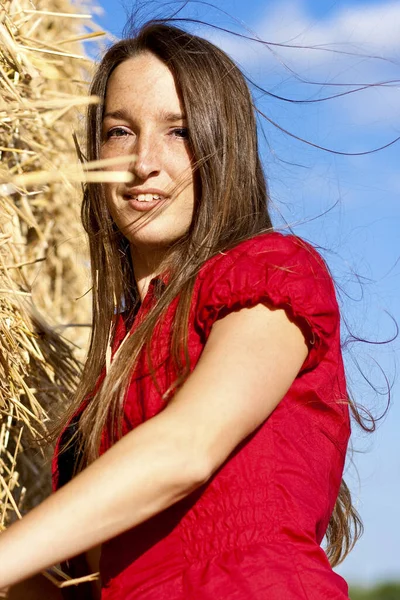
181	132
116	132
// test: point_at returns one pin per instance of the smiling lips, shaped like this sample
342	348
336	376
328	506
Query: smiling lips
145	197
149	195
144	201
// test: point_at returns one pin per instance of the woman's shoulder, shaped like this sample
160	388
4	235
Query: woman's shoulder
271	251
280	271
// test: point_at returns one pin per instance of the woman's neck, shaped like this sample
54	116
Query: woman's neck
146	265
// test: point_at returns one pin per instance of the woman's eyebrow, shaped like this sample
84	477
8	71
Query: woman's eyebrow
117	114
167	117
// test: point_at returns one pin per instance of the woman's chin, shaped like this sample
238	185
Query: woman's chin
153	239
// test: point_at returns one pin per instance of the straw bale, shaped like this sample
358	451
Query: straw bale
44	70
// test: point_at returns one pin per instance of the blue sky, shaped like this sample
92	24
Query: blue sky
346	205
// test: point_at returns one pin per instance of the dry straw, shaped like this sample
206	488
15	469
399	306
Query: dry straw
44	70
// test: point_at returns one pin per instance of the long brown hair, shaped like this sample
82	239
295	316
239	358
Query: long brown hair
231	205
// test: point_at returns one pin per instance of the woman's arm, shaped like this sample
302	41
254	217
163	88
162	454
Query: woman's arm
249	362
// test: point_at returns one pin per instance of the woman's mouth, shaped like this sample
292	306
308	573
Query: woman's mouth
143	202
146	197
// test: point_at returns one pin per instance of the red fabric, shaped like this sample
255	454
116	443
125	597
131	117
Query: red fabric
254	531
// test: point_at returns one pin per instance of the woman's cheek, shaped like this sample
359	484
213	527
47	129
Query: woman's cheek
104	153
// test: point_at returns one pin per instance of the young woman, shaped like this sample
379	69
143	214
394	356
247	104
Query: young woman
205	448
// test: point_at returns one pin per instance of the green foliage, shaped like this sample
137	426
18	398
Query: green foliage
383	591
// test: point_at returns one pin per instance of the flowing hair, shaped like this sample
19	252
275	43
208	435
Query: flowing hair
231	205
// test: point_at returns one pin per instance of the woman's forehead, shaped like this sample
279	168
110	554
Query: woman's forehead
143	81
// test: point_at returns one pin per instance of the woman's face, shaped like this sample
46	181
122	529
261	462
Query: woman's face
143	116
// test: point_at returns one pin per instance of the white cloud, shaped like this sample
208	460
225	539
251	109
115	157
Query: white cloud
344	46
372	25
361	29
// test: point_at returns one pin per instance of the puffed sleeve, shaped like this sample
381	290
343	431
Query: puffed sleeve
280	271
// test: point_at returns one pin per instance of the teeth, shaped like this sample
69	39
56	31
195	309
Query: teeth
146	197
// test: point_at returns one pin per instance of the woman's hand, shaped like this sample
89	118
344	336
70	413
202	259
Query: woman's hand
249	362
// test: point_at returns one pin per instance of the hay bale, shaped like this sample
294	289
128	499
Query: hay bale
44	72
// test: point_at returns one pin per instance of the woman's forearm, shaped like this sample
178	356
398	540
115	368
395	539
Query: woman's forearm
145	472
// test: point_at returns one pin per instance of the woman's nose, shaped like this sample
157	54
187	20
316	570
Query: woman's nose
148	158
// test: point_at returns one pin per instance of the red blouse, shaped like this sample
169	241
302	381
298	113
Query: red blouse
254	530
